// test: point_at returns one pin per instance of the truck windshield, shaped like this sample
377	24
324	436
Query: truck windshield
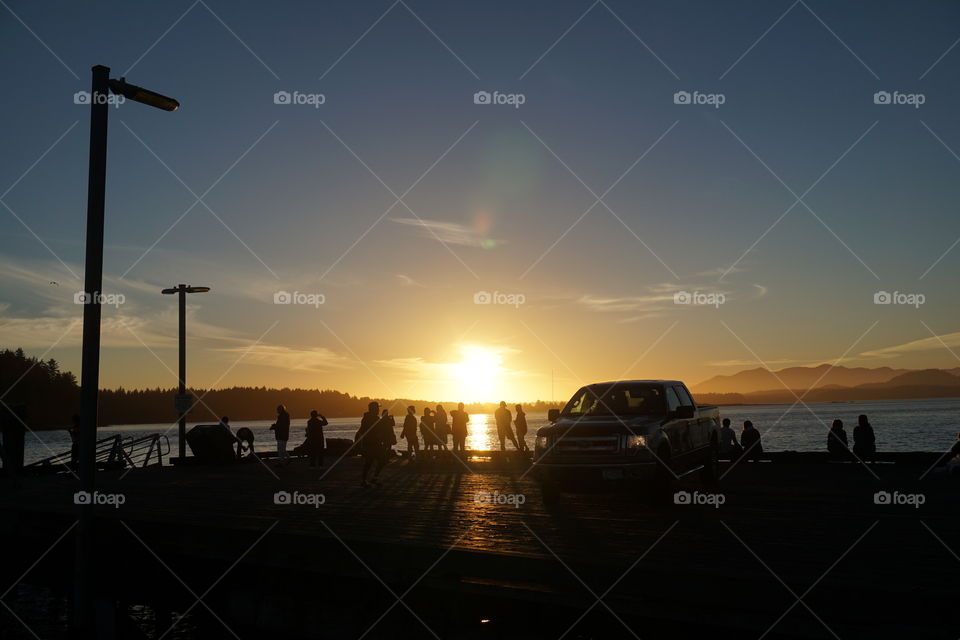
617	400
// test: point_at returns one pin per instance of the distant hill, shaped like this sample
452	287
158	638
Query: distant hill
923	383
919	378
798	378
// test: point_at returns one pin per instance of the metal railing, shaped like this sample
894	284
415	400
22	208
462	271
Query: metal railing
112	452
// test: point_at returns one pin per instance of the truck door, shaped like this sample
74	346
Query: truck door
678	429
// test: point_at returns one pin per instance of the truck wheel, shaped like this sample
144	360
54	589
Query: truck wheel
710	473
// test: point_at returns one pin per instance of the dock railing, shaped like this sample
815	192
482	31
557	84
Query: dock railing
112	452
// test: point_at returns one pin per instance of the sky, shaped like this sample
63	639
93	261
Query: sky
484	201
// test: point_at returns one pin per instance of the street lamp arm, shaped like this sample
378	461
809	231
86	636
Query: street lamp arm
144	96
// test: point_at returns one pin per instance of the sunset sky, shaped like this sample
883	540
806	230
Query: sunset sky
399	201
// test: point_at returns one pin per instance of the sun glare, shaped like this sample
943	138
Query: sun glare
477	373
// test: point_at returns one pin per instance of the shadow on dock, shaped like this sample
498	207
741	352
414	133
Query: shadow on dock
793	548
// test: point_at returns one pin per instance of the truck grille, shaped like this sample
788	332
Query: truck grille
587	444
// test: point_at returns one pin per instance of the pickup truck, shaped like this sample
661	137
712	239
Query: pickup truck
650	430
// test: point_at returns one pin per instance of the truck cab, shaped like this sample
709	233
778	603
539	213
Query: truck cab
644	429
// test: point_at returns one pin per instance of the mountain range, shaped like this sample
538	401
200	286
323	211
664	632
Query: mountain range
825	384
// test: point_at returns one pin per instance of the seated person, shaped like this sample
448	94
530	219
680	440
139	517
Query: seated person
729	447
750	441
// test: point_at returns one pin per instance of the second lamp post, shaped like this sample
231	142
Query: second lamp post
183	401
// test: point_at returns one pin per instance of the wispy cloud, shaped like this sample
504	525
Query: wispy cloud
947	340
449	232
407	281
316	359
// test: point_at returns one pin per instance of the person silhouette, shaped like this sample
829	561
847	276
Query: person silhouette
521	423
315	444
837	440
409	432
460	419
426	430
504	430
864	440
750	441
441	427
388	435
368	440
728	440
281	430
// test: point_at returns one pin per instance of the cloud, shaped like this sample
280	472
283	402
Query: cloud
317	359
951	340
449	232
614	304
407	281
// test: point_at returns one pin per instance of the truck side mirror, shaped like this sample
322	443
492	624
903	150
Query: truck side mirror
685	412
553	415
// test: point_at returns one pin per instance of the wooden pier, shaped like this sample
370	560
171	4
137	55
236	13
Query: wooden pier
467	557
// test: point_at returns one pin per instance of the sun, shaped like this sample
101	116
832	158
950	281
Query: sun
478	373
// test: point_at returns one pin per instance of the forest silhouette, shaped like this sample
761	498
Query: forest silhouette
52	396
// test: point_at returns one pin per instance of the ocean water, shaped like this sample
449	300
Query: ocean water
900	425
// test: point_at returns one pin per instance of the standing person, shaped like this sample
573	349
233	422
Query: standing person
750	441
225	424
315	443
504	430
409	432
837	440
521	423
864	440
426	430
441	427
728	441
281	430
460	419
369	441
388	434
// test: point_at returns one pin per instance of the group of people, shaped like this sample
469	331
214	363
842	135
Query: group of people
864	440
313	447
750	446
376	435
436	429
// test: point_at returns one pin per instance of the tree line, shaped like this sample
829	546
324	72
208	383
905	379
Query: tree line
52	397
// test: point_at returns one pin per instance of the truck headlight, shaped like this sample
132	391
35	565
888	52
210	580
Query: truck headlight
635	442
542	442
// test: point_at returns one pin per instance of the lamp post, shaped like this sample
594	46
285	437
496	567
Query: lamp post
83	618
183	403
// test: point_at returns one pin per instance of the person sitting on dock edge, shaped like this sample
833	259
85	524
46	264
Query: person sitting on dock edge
750	441
729	447
864	440
837	441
